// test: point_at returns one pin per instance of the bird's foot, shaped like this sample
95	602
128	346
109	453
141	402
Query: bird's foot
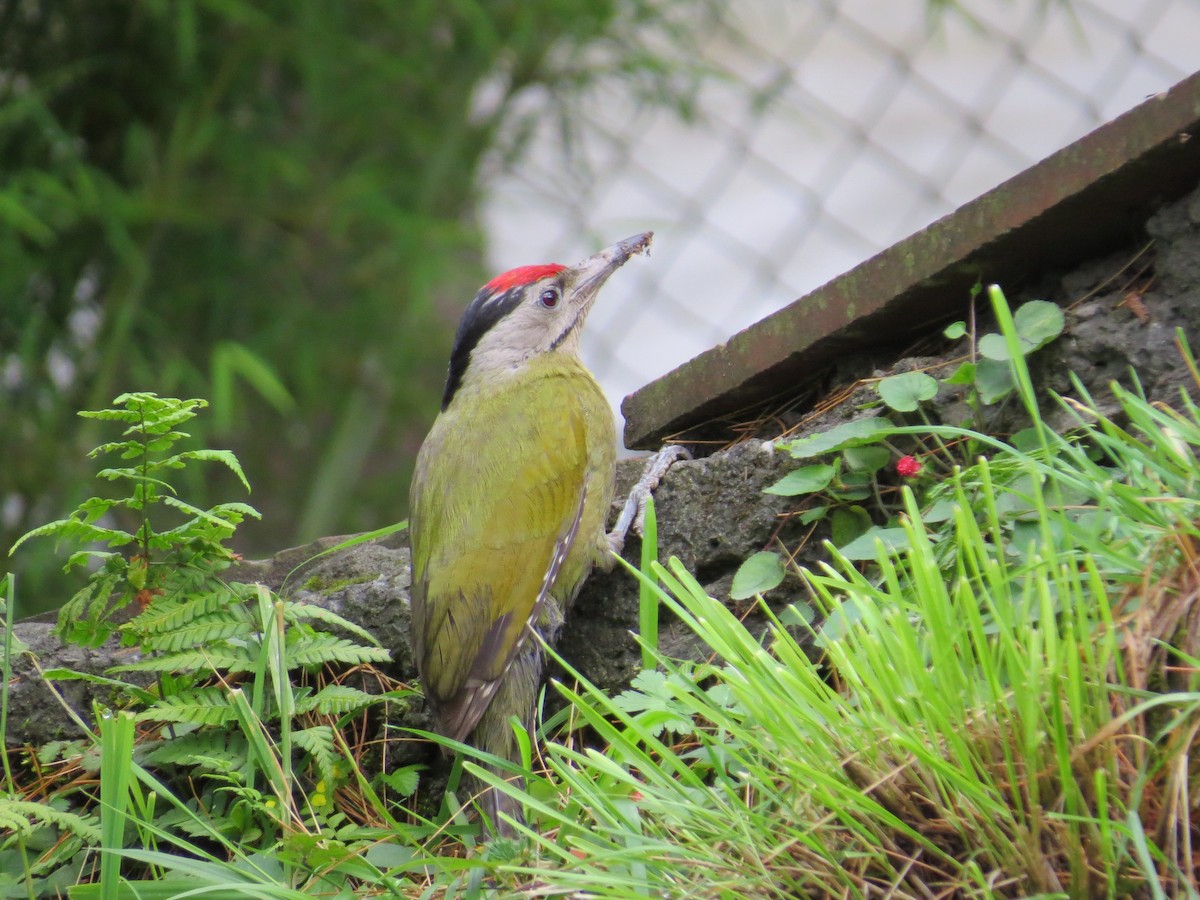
633	515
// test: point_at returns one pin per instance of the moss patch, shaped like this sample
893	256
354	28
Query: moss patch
319	584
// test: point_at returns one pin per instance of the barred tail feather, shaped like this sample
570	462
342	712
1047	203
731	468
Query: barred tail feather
492	803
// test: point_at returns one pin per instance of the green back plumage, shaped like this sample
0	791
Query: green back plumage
513	472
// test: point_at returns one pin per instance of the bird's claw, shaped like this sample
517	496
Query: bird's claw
633	514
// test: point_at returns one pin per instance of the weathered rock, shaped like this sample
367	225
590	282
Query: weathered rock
35	714
366	584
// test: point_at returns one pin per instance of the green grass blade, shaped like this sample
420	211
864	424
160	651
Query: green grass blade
648	599
116	752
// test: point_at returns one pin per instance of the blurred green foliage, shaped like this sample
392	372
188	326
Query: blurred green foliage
271	204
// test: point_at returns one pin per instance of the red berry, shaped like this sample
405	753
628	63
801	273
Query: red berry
908	467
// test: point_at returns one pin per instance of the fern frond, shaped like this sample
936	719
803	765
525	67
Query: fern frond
133	474
318	742
83	532
224	517
298	612
227	657
83	618
220	751
165	418
224	457
161	443
93	508
127	449
235	512
323	649
200	632
25	817
198	513
335	700
170	614
182	821
199	706
110	415
83	557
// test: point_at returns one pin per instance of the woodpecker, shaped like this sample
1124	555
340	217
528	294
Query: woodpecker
509	498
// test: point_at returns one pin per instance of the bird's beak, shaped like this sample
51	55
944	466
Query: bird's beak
594	271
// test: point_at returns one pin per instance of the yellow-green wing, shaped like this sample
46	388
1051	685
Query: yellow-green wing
497	501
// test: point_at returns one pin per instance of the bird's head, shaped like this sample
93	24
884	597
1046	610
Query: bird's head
529	311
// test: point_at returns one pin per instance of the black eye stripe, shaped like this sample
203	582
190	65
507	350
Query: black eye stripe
481	314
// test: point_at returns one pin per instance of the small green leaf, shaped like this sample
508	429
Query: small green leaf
993	380
964	374
758	574
1026	440
855	486
941	511
797	614
848	523
811	515
855	495
651	699
866	459
955	330
849	434
1038	323
993	346
907	391
863	547
403	781
805	480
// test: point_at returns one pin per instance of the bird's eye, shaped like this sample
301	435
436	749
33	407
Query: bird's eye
549	298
